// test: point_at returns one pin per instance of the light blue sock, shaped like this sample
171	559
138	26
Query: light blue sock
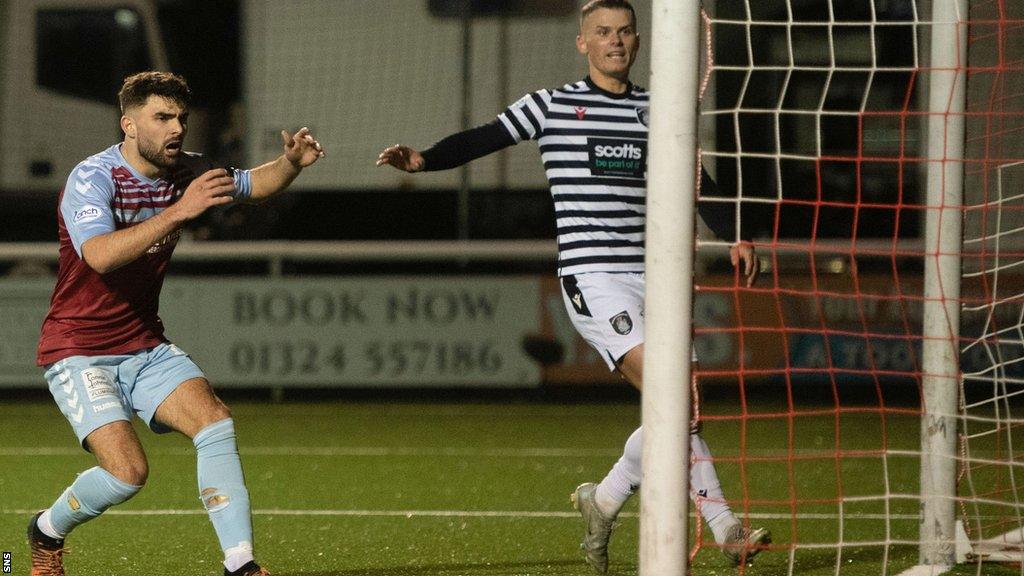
222	486
90	495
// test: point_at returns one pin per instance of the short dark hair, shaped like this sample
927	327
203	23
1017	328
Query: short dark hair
137	88
593	5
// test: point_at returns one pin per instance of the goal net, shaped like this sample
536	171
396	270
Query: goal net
993	277
870	385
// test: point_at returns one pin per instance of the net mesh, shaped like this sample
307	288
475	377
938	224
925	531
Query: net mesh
993	245
820	115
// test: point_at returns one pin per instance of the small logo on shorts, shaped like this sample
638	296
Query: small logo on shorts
572	290
98	384
622	323
73	502
97	408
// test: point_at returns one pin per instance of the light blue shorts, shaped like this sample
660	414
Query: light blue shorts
93	391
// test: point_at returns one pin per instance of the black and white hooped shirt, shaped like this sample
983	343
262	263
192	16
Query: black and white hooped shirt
594	147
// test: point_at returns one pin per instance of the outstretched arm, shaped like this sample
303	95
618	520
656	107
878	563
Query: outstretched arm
401	157
721	219
451	152
300	151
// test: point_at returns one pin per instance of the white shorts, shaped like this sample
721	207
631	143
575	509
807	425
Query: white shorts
607	309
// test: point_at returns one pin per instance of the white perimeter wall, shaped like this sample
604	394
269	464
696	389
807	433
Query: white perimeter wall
365	75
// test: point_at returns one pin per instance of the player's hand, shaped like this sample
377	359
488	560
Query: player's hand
212	188
301	149
401	157
744	253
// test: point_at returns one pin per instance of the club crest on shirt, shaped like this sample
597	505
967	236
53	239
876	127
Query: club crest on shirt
622	323
581	112
644	116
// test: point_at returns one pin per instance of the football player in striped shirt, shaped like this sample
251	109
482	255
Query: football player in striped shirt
102	342
593	141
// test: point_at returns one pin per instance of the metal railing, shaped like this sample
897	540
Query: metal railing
790	255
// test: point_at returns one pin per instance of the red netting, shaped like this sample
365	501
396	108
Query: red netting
813	377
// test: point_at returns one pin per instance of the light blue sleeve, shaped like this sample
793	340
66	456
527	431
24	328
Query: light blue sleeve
243	184
87	204
199	164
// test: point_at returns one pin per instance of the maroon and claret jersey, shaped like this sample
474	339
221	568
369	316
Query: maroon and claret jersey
93	314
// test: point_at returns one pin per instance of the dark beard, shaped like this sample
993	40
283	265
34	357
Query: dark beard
154	155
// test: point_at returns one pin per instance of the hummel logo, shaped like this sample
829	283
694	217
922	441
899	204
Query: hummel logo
581	111
73	399
82	186
77	416
578	300
86	173
72	403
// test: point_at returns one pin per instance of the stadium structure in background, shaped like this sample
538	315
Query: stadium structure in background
843	140
877	138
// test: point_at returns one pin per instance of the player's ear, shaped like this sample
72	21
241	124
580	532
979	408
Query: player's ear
128	126
581	43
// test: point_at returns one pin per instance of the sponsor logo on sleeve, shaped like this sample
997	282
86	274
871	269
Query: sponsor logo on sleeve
612	157
87	214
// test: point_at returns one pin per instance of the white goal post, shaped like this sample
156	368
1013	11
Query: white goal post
947	99
669	298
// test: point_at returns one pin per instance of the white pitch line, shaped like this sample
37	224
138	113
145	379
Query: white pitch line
301	451
460	514
357	513
925	570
